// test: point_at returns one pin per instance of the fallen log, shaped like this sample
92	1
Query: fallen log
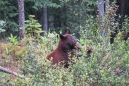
11	72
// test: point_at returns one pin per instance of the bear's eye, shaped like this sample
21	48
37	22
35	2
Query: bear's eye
70	44
74	44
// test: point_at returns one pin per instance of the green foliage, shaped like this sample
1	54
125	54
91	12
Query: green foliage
38	4
104	67
11	47
8	10
33	28
1	24
76	13
125	27
13	40
4	79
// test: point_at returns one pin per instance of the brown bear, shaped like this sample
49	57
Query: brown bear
61	54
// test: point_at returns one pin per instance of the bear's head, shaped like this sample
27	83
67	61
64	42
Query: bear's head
68	42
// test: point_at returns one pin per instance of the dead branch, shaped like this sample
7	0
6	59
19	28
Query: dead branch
11	72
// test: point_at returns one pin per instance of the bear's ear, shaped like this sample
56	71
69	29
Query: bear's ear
62	37
68	31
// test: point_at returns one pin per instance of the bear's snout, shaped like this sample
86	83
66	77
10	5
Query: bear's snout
77	46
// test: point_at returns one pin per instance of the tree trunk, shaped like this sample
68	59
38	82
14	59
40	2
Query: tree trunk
106	5
101	13
103	29
45	20
0	33
57	18
1	36
64	18
122	13
21	18
101	7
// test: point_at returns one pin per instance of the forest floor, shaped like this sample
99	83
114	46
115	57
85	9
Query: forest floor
8	61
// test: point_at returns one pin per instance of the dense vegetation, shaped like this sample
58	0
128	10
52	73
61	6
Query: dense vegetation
107	66
62	14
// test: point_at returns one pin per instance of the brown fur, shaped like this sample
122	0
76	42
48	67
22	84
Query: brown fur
60	54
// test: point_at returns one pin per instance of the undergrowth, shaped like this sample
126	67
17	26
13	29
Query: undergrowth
108	65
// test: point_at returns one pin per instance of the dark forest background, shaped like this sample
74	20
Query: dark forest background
57	15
